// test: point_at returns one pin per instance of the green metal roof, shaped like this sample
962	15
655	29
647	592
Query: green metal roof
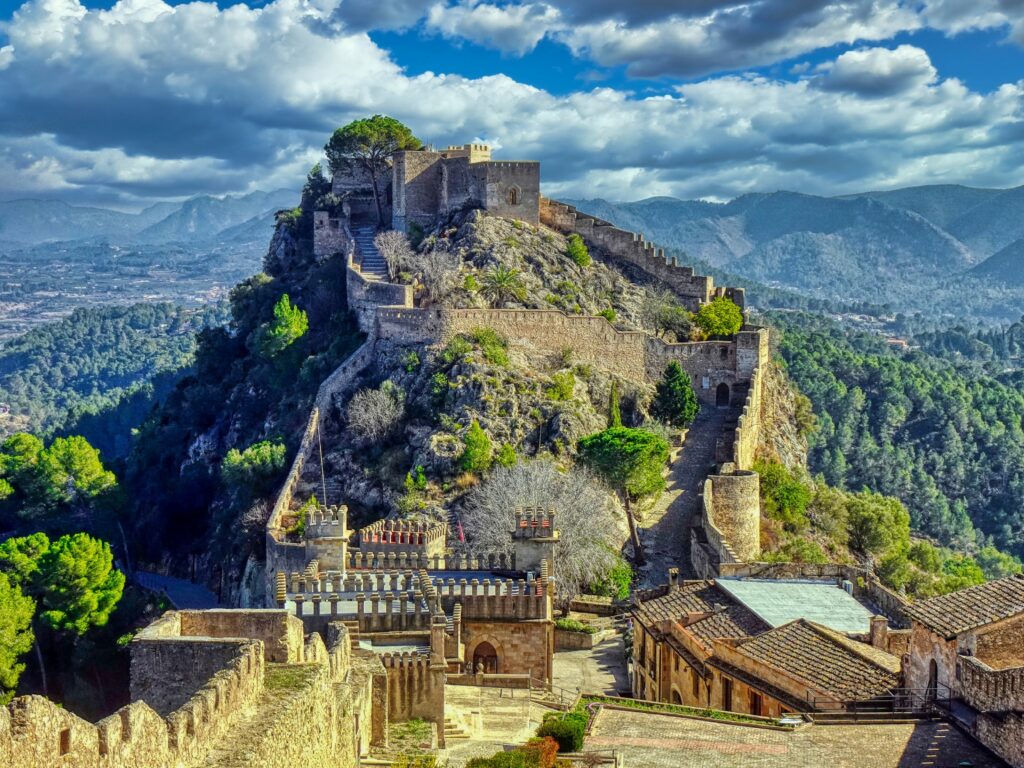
779	602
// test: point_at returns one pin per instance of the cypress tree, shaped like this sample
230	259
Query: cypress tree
614	414
675	402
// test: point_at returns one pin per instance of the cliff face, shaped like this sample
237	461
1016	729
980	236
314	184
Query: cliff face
786	420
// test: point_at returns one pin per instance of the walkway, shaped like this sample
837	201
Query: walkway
666	534
601	669
184	595
492	717
661	741
373	266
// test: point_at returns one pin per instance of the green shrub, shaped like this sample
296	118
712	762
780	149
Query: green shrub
568	730
479	453
576	250
608	314
785	498
492	344
416	480
562	385
506	455
411	361
470	283
288	326
416	234
456	350
572	625
439	385
299	528
616	583
256	467
675	402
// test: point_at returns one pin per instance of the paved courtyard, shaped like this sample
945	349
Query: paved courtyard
661	741
601	669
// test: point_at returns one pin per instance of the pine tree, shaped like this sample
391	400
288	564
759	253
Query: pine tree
675	402
479	453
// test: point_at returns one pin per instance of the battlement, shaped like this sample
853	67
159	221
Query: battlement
621	245
535	523
327	522
990	690
404	536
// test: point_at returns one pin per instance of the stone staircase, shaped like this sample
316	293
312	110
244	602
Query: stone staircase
870	718
373	266
454	730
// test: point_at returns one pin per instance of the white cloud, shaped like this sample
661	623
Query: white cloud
147	101
879	72
516	28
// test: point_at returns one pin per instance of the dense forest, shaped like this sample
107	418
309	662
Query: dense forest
944	438
98	371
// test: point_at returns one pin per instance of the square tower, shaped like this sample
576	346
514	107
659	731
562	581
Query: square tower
534	539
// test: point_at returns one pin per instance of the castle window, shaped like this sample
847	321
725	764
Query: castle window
513	196
65	741
696	685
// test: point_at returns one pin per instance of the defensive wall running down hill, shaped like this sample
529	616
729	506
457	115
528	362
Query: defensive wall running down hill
607	241
723	373
197	679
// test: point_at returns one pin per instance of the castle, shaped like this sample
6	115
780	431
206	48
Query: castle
367	627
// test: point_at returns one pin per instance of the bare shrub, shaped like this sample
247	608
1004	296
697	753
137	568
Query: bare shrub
395	249
439	273
586	517
375	414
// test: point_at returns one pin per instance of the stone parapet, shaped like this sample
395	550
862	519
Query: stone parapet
991	690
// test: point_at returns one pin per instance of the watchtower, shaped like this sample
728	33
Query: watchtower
327	537
534	538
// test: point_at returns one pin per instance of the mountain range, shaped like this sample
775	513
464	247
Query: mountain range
199	219
883	247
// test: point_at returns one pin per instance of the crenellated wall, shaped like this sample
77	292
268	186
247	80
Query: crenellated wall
313	718
610	242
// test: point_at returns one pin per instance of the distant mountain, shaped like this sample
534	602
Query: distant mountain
205	217
1007	265
37	221
199	219
941	204
990	227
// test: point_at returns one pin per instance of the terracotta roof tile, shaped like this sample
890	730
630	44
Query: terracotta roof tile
970	608
825	660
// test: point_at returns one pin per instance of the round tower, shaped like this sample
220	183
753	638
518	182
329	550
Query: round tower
736	505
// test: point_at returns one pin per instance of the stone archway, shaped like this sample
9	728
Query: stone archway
485	658
933	680
676	698
722	395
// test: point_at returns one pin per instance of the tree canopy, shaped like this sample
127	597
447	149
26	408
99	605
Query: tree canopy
631	462
720	317
288	326
370	143
78	583
675	402
16	610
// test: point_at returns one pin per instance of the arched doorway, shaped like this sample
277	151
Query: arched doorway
485	658
676	698
722	396
933	680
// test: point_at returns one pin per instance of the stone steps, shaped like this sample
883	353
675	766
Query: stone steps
373	266
454	730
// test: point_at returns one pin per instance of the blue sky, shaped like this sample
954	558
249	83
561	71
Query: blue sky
125	103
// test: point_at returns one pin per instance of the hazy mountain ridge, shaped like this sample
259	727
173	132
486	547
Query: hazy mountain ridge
199	219
876	246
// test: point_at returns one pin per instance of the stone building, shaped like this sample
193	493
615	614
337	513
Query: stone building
427	613
218	688
760	646
968	646
428	185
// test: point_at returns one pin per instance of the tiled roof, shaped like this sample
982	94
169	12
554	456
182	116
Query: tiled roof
727	617
733	621
825	660
966	609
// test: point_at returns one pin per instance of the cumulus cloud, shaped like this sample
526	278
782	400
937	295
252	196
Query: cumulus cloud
146	101
364	15
879	72
516	28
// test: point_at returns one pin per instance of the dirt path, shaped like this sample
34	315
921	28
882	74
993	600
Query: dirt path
666	528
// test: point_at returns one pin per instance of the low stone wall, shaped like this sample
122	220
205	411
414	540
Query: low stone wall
991	690
579	641
1003	733
415	690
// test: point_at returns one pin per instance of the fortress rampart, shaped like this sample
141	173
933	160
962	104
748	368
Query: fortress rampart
200	684
608	241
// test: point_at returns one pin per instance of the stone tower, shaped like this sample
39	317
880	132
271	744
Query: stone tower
534	539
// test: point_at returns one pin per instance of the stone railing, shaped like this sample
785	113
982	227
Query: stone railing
360	559
991	690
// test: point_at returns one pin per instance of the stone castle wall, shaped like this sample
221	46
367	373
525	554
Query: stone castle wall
1003	733
620	245
314	726
524	647
511	189
414	689
632	355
